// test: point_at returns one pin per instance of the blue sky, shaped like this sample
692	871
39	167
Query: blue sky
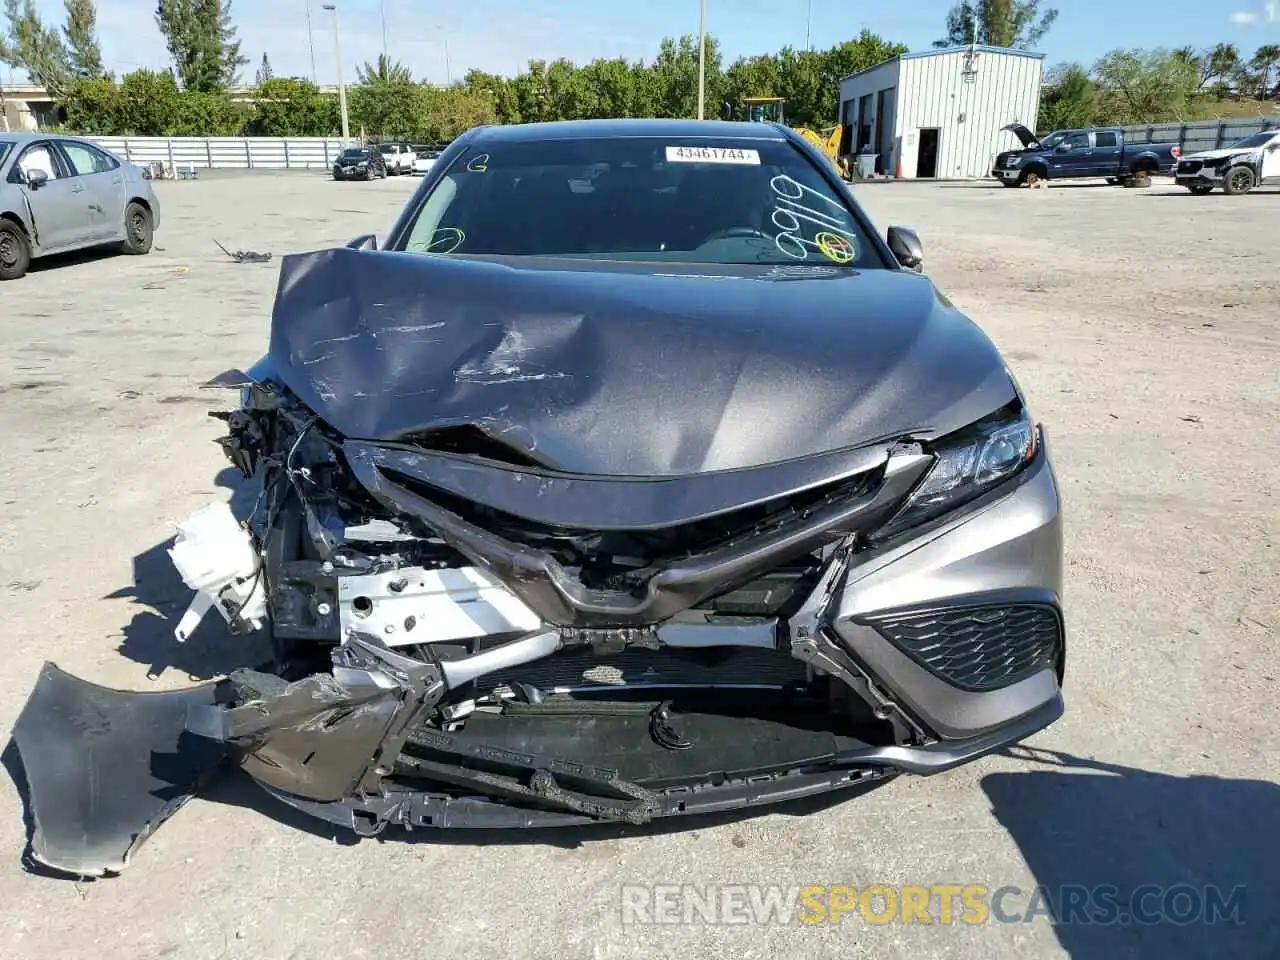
501	35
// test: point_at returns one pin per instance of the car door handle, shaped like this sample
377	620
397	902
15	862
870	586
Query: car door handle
115	179
78	188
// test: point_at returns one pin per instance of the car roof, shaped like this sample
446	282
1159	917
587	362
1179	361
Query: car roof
599	129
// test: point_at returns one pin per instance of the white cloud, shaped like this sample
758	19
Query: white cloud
1270	14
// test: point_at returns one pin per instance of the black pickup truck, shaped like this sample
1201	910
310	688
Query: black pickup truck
1077	154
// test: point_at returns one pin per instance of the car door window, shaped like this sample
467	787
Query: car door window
1077	141
87	160
1107	139
39	156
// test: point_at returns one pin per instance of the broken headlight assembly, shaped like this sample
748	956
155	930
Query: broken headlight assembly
969	463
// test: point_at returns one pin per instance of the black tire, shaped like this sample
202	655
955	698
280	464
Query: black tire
1239	180
139	231
1201	190
15	251
1112	181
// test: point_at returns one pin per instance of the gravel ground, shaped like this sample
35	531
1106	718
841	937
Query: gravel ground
1145	327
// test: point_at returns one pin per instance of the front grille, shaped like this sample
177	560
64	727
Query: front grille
978	648
1190	166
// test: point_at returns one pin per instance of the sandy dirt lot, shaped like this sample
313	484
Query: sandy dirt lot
1145	326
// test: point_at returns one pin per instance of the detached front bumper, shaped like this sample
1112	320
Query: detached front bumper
953	634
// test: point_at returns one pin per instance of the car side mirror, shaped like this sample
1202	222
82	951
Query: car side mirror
905	244
366	241
37	179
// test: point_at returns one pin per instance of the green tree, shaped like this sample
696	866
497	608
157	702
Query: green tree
1264	64
1018	24
384	70
293	107
201	40
501	90
31	45
93	107
84	52
1146	86
1069	99
148	103
447	112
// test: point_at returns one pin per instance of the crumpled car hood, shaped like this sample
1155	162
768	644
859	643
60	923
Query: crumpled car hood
626	369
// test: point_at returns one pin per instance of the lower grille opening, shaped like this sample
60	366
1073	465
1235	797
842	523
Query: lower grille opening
979	648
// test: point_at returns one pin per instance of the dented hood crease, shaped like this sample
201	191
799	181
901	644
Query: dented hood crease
624	369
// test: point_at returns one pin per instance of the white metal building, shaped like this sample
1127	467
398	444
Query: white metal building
939	113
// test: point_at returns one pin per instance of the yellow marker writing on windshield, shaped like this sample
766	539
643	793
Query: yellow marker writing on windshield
834	247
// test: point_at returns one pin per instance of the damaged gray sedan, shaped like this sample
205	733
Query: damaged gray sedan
637	477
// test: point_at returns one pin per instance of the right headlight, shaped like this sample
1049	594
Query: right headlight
969	462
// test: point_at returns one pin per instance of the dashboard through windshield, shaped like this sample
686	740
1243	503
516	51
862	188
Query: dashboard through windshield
699	200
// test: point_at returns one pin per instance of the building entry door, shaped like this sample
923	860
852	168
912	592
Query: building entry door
927	157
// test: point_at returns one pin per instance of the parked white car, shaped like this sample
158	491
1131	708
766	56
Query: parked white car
424	160
1236	168
398	157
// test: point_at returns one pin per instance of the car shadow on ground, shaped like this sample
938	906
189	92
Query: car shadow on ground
1166	845
56	261
211	651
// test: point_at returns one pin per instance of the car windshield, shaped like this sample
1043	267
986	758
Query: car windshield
1053	139
388	148
355	154
700	200
1257	140
5	147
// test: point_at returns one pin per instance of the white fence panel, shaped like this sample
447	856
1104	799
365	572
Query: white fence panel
268	153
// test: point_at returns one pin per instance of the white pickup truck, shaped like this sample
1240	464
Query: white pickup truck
398	157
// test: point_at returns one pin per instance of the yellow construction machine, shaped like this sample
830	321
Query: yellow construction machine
770	110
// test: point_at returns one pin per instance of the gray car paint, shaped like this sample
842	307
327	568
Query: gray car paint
1009	545
74	212
733	366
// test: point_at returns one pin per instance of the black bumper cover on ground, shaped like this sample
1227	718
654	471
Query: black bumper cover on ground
105	768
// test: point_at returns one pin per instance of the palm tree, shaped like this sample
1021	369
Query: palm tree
1265	60
384	71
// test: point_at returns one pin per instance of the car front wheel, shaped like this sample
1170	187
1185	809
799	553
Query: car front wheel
138	230
1238	180
15	251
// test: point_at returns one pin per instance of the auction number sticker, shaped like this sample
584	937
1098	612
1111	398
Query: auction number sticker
713	155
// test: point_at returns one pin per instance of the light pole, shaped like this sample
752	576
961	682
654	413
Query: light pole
382	7
311	43
808	28
444	38
702	56
342	87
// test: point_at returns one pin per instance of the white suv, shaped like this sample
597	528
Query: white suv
397	156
